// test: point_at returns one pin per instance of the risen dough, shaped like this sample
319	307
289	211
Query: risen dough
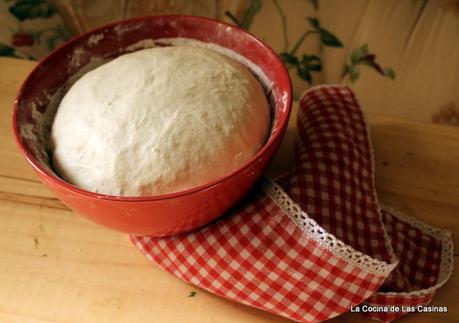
159	120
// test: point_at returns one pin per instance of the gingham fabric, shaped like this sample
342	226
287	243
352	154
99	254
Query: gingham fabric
318	242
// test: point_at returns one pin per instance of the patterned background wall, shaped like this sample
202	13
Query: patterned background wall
401	57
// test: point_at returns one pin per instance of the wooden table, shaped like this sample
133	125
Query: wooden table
56	266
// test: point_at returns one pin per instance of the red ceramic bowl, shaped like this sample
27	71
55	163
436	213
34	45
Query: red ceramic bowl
158	215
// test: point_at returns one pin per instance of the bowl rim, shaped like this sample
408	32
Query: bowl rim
45	173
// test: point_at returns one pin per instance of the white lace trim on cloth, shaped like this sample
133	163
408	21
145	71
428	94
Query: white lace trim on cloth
327	240
447	252
387	240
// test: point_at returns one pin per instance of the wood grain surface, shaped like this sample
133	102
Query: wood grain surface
56	266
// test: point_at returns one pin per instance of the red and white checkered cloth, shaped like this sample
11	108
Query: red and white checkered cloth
318	242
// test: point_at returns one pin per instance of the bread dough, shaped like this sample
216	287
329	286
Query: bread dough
159	120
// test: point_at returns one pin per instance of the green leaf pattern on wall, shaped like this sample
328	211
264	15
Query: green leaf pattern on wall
247	17
7	51
309	63
361	56
305	64
38	28
29	9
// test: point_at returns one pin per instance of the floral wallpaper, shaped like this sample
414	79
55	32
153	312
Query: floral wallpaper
30	28
368	44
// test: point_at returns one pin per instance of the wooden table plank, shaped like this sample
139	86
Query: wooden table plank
417	170
56	266
13	72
